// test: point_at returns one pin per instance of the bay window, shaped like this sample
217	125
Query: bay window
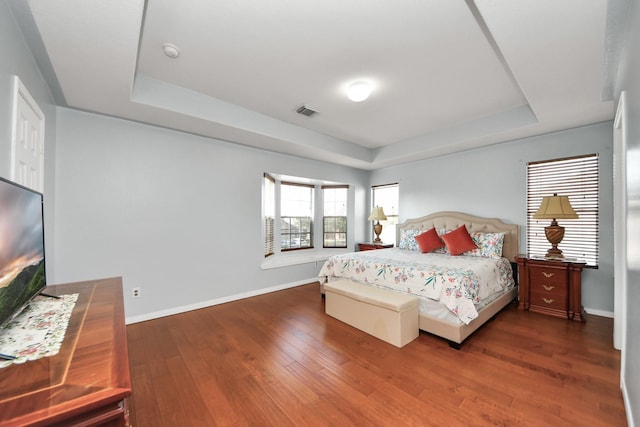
294	206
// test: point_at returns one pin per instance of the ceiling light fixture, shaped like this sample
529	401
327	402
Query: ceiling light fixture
171	50
359	91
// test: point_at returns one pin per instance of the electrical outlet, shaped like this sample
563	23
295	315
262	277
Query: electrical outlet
136	292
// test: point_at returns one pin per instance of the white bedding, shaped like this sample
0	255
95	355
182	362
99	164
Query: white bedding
461	283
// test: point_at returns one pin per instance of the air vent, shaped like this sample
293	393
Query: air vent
306	111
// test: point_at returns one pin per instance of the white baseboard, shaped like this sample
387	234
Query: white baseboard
627	403
209	303
177	310
601	313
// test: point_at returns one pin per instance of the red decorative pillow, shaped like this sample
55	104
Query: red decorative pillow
429	241
459	241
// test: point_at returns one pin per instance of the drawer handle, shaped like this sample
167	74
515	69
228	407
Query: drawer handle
547	275
548	300
548	288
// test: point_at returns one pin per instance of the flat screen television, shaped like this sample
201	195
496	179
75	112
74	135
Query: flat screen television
22	267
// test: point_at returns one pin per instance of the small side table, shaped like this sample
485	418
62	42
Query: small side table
551	286
370	246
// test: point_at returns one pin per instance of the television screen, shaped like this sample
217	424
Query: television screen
22	269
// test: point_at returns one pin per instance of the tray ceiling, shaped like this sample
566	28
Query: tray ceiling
447	76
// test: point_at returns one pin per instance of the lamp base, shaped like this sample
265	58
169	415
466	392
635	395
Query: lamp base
377	229
554	253
555	234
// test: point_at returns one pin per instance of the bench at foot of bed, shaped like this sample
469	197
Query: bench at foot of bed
387	315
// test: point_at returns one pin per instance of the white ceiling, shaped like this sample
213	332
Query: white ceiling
448	75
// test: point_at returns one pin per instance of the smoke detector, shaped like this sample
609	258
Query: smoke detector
171	50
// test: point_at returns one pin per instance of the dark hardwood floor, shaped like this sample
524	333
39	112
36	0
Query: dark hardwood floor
278	360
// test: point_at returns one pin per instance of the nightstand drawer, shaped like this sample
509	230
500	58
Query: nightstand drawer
546	299
549	276
548	290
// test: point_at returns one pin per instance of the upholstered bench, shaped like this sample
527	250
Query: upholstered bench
387	315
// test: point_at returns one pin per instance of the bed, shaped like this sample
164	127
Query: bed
457	294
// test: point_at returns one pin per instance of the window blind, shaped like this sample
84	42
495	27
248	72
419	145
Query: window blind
269	198
577	178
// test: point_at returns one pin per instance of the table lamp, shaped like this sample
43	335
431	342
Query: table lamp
555	207
377	215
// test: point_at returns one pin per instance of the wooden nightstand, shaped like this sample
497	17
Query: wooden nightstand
551	287
372	246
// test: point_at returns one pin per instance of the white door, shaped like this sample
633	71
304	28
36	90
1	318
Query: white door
27	139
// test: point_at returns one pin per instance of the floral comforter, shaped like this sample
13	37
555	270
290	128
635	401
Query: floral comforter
459	282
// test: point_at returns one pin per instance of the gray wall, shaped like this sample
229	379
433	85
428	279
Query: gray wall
629	81
491	182
118	164
176	214
18	61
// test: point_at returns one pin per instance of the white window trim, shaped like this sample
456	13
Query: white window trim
389	222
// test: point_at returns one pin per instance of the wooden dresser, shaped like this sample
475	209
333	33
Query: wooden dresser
88	381
552	287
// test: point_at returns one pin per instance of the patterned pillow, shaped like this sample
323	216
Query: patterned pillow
444	249
408	240
489	245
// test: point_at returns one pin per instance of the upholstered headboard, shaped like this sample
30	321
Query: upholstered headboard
452	220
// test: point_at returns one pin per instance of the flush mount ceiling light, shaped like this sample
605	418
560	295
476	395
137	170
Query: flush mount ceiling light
171	50
359	91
